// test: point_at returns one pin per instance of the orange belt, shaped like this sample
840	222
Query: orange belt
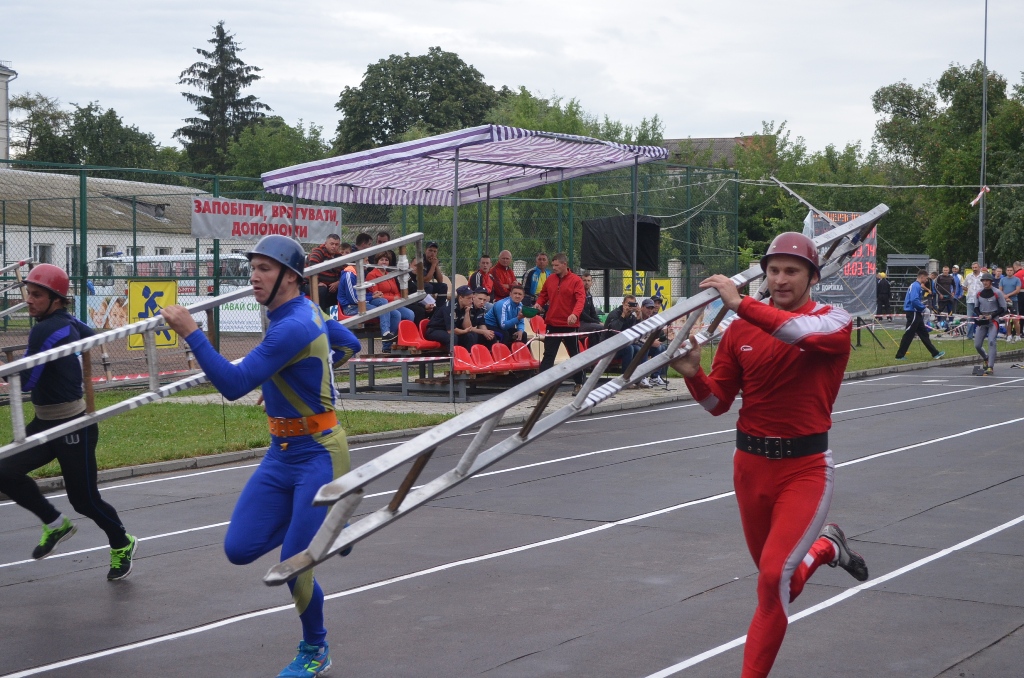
283	427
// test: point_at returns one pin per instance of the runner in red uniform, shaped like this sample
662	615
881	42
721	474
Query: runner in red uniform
787	357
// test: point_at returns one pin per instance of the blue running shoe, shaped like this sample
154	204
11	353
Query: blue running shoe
938	355
902	359
309	662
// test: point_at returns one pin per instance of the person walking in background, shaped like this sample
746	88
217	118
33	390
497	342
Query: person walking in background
991	306
564	296
914	307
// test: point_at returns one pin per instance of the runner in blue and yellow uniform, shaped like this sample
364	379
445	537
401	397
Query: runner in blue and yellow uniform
308	448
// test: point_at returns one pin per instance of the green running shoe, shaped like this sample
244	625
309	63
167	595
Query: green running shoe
52	537
310	661
121	560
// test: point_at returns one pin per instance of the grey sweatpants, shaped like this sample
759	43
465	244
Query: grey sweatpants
991	331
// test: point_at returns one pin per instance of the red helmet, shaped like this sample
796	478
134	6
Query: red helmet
50	277
794	244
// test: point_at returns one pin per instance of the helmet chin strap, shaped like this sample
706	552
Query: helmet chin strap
277	285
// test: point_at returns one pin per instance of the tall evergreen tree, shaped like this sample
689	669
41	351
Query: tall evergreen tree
223	112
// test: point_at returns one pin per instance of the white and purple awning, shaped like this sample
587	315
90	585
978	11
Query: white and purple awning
422	172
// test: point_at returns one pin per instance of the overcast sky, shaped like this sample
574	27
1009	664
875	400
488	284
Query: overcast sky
707	68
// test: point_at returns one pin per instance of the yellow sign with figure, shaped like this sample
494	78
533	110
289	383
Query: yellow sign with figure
662	288
145	299
641	283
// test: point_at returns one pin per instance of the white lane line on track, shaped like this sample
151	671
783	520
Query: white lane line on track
490	556
578	456
354	449
571	421
104	548
849	593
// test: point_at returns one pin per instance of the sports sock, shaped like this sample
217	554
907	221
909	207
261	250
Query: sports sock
56	523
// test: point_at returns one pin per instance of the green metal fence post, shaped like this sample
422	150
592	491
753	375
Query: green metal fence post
736	223
135	237
561	247
572	235
29	229
216	273
3	219
501	224
479	230
689	220
83	252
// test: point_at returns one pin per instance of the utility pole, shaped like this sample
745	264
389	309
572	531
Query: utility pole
984	139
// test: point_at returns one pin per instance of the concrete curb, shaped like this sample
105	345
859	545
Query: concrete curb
57	483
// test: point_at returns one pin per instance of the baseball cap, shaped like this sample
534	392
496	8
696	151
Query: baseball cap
429	244
650	303
464	291
480	290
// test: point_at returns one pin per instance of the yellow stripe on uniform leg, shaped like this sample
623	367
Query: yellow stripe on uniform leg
337	444
302	593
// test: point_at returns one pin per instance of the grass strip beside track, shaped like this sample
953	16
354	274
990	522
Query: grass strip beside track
181	431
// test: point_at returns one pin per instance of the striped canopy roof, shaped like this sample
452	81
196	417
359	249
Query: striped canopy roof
422	172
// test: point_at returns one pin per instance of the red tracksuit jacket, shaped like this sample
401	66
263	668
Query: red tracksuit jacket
788	365
564	296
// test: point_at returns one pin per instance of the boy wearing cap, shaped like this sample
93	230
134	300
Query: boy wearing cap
57	392
440	325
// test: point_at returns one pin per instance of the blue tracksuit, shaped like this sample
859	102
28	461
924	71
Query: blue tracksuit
293	365
504	316
914	301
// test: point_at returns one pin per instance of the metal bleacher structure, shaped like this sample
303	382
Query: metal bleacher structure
345	493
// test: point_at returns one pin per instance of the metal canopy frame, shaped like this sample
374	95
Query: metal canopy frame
148	328
345	493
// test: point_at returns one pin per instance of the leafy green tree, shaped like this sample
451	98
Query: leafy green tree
271	144
223	111
38	123
435	92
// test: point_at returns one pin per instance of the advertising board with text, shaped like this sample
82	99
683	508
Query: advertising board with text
854	288
226	219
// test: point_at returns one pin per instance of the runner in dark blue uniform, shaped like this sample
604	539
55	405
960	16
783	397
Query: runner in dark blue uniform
56	389
308	448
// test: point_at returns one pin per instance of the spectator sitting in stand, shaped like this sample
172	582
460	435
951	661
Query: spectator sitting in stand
433	276
502	276
505	318
482	277
363	241
388	289
534	279
649	308
440	324
620	320
348	304
590	321
327	281
481	305
383	237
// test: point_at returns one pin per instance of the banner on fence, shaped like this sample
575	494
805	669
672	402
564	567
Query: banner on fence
145	300
241	315
854	288
641	283
661	288
228	219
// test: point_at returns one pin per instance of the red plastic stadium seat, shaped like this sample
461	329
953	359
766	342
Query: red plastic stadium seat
423	327
584	343
503	356
522	355
538	325
463	361
484	362
409	336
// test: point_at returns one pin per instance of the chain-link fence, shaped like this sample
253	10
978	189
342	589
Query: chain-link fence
108	227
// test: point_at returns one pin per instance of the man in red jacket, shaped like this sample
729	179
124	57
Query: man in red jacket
787	357
503	276
564	295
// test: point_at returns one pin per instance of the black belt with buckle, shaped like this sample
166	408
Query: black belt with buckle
782	448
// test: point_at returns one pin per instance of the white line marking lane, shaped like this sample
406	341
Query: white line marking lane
498	554
845	595
507	470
